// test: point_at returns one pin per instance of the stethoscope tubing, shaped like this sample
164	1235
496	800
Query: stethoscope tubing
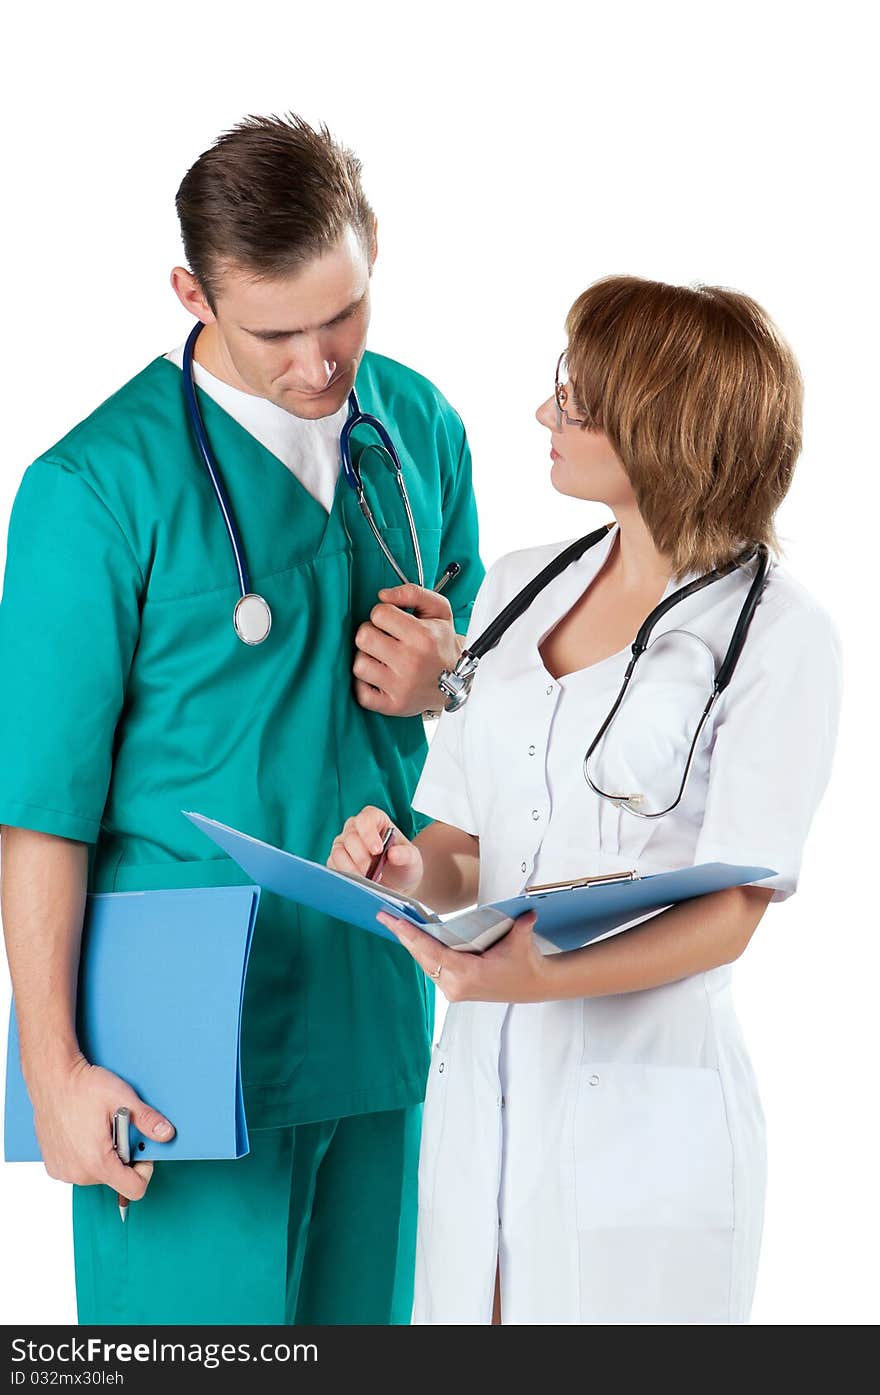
194	412
352	474
351	471
456	685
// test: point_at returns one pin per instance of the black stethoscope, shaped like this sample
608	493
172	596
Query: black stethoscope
252	618
456	684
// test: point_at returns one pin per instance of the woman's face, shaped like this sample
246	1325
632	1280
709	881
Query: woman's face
584	464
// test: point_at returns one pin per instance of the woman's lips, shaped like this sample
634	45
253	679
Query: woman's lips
554	454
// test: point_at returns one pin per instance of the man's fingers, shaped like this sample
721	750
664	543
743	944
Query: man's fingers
127	1181
389	623
371	671
131	1182
427	605
143	1169
377	641
150	1122
371	698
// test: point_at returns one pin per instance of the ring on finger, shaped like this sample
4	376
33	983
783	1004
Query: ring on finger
435	973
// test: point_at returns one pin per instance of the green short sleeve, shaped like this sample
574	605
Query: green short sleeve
69	621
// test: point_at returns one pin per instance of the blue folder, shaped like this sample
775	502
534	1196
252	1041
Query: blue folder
567	919
159	1003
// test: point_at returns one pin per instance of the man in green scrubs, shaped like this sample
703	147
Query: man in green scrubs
126	696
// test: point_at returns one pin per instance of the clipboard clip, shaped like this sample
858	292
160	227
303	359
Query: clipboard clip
603	879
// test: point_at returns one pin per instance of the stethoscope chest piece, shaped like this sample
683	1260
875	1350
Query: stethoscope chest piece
252	618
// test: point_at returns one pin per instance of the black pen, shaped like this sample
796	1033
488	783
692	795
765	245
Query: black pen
450	574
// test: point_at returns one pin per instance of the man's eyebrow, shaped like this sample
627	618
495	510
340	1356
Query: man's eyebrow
288	333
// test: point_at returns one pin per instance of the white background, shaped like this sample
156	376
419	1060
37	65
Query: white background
513	157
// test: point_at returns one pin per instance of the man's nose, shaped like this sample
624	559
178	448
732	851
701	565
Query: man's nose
313	369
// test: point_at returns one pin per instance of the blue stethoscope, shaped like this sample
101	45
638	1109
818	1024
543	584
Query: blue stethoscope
252	618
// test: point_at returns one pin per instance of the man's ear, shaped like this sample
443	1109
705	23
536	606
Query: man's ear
190	294
374	245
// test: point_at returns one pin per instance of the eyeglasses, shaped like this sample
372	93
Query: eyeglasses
561	391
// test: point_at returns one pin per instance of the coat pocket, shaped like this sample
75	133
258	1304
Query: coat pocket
433	1119
652	1148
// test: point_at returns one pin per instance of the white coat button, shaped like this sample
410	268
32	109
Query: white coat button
442	1067
535	815
522	867
550	690
531	750
501	1101
594	1079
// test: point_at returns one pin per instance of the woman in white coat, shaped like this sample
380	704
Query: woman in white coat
593	1143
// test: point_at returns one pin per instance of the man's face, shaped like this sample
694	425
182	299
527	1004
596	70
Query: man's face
296	339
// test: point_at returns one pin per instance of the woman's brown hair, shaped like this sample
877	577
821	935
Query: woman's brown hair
700	397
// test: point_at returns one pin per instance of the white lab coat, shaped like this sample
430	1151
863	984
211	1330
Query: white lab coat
610	1151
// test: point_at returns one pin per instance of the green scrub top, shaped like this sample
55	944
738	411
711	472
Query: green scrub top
126	697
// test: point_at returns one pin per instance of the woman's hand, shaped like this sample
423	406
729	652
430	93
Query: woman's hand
361	839
513	971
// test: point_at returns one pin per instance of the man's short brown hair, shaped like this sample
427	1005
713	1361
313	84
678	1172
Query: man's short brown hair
700	397
269	195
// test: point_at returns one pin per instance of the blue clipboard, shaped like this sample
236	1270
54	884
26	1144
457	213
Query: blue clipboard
159	1003
567	918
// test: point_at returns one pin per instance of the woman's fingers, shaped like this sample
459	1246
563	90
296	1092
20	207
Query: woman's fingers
357	850
524	923
402	854
511	971
340	861
371	825
423	948
361	839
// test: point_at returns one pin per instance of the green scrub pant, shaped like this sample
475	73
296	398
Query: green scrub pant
317	1225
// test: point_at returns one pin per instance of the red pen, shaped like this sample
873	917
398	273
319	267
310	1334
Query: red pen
374	871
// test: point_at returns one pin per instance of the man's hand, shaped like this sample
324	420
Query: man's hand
400	657
72	1113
